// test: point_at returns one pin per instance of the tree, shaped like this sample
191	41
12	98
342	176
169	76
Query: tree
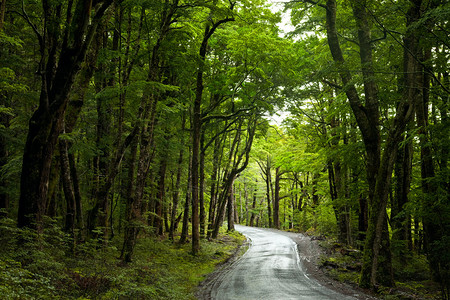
210	28
379	167
62	53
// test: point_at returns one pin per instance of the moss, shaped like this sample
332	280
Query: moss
160	269
412	278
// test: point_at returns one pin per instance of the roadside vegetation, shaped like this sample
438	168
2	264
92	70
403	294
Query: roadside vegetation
412	276
49	267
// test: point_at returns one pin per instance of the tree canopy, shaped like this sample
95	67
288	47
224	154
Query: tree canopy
122	119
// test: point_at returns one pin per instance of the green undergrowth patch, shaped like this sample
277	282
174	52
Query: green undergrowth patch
412	277
339	262
44	267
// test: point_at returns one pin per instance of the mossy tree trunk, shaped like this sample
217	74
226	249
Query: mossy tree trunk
62	54
377	268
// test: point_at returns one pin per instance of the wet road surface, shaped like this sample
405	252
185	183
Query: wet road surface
270	269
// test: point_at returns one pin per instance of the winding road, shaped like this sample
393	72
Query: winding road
270	269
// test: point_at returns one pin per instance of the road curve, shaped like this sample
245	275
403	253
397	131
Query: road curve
270	269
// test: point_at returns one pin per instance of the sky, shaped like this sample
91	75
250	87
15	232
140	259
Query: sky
285	26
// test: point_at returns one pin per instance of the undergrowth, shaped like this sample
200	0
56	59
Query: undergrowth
45	267
412	277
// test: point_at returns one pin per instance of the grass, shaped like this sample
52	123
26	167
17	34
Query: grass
161	269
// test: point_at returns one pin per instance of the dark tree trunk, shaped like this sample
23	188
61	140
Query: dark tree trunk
67	183
4	197
77	194
54	187
334	179
196	133
276	199
230	206
377	267
128	244
253	215
266	172
2	13
202	185
362	219
176	195
237	166
433	224
62	62
160	201
214	184
315	197
246	203
400	218
222	203
187	204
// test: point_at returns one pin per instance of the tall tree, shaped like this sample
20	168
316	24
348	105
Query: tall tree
210	28
377	267
62	53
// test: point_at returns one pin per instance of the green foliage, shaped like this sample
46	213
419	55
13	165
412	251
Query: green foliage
31	264
248	67
42	266
416	269
326	220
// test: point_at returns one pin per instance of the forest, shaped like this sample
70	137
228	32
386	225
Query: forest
122	120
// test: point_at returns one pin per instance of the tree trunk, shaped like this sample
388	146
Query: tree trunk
235	158
315	197
432	227
362	219
214	184
268	175
67	183
77	194
187	204
160	201
4	196
276	199
334	179
377	267
62	64
129	232
246	203
400	218
2	14
196	133
54	187
230	206
253	215
176	195
202	185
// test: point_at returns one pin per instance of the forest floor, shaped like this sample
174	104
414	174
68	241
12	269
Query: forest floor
341	266
337	267
46	268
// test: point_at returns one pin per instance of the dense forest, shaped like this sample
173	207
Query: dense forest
123	119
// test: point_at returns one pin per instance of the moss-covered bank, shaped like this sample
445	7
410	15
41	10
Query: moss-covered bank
44	267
